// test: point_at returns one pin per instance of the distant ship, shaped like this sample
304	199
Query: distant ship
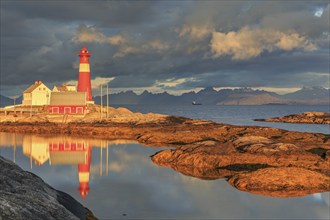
275	103
196	103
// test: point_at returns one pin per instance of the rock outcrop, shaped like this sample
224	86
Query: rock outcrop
306	117
257	164
24	195
206	149
281	182
95	113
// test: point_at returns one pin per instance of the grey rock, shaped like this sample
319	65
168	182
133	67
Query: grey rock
23	195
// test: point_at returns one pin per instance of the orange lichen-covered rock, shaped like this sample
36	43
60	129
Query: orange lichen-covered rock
281	182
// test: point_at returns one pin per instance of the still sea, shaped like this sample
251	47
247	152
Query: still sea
124	183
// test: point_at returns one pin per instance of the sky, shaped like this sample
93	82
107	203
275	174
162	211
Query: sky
174	46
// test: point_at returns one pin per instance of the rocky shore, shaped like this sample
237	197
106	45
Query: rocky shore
306	117
261	160
23	195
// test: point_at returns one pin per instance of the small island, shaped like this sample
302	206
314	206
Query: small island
260	160
306	118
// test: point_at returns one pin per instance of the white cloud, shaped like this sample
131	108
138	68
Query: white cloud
95	82
92	34
318	12
249	42
170	83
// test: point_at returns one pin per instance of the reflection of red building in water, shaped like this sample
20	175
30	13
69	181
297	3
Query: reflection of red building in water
74	153
67	151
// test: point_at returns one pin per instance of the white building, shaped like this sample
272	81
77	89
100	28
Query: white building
65	88
36	94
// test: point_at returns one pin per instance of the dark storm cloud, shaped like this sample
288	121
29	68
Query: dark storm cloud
104	12
145	43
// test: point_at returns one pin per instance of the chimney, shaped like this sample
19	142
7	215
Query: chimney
40	81
36	82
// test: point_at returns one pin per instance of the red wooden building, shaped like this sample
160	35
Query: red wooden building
67	103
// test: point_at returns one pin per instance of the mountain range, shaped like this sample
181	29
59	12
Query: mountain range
210	96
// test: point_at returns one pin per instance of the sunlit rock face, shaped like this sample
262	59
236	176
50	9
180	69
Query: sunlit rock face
306	117
278	175
281	182
24	195
258	160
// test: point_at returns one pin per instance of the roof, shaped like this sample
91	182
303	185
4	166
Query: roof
32	87
61	88
68	98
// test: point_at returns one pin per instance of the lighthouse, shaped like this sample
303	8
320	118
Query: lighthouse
84	79
83	174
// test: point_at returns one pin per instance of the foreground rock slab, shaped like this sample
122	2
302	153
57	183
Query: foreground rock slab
24	195
306	117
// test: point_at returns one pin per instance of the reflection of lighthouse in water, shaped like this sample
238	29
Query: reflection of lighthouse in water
83	174
65	151
74	153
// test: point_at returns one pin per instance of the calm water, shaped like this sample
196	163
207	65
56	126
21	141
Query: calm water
124	183
240	115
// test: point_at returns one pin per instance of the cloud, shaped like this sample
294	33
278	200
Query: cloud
156	45
134	48
92	34
249	42
172	82
126	50
116	167
195	32
142	44
95	83
125	46
293	41
117	39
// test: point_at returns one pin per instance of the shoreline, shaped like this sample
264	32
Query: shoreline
210	150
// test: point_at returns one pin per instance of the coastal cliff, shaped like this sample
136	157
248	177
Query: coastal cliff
24	195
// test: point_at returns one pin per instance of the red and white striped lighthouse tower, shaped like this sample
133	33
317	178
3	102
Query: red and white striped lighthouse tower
84	79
